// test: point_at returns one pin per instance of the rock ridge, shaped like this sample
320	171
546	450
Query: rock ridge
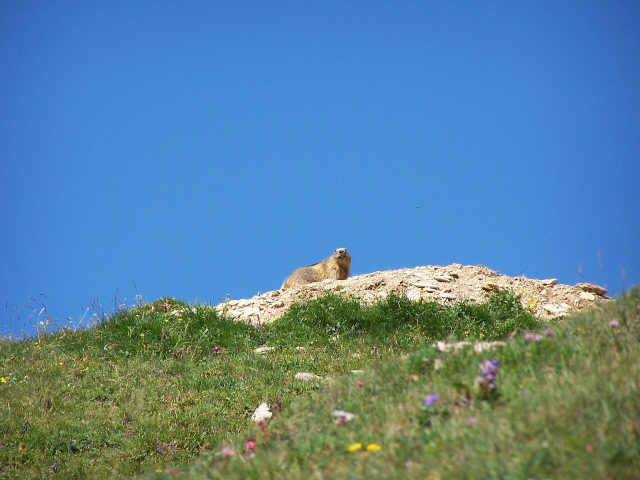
445	284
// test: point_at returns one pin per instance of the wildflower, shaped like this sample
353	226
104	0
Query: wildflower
355	447
160	447
54	468
251	444
4	379
172	447
529	337
360	384
471	421
548	332
613	323
373	447
485	383
228	451
431	399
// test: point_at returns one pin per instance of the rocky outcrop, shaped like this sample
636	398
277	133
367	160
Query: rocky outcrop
544	298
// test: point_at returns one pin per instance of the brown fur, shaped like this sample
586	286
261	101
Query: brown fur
336	267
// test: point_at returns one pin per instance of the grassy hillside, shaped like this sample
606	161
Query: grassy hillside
167	390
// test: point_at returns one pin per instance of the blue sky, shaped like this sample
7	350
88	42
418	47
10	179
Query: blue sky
199	149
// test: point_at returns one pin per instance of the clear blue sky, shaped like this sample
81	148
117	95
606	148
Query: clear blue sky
198	149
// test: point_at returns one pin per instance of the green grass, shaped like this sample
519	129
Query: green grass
163	388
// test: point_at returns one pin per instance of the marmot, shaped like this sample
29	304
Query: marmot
336	267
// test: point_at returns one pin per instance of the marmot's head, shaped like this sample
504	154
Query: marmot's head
342	256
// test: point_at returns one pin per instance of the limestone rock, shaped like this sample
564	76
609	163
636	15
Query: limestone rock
591	288
544	298
262	413
306	377
263	350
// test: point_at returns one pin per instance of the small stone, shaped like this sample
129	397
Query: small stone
357	372
413	295
424	284
554	309
248	311
483	346
263	350
592	288
342	416
587	296
448	296
443	278
262	413
549	282
306	377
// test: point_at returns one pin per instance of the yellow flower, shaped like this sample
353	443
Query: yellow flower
373	447
4	380
355	447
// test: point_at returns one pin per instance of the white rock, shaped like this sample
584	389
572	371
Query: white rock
306	376
549	281
554	309
443	278
348	416
592	288
262	413
263	350
482	346
413	294
438	364
447	347
424	284
357	372
247	311
587	296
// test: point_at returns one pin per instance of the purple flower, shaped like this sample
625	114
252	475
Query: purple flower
160	447
548	332
529	337
471	421
431	399
489	370
613	323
